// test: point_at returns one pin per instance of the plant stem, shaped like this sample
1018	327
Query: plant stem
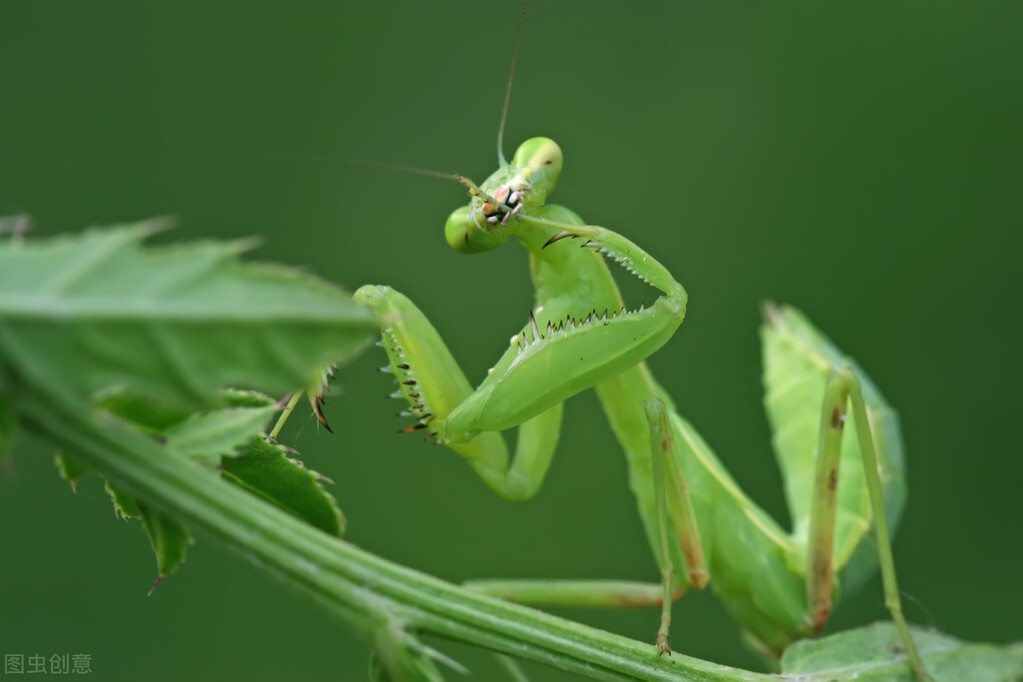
363	590
285	413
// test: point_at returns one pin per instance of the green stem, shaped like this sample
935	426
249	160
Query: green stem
362	590
285	413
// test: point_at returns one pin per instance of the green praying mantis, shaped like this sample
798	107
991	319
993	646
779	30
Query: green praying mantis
703	529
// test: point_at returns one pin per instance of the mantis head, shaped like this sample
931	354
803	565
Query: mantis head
518	186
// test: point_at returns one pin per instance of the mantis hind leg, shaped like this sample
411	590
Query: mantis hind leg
611	594
842	389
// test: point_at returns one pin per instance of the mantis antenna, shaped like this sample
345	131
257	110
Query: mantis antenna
474	189
508	89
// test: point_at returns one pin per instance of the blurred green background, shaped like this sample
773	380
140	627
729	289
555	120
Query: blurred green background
861	161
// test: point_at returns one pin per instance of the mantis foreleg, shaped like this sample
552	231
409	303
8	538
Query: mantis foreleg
430	379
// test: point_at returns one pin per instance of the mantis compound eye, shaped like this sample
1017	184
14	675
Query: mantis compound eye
543	158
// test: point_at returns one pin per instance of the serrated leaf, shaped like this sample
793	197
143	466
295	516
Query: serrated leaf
149	415
99	311
156	418
69	468
210	435
875	653
168	538
232	397
266	470
124	504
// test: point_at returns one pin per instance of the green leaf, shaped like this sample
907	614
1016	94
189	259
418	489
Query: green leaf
99	312
69	468
156	418
210	435
266	470
235	398
168	538
124	504
146	414
875	653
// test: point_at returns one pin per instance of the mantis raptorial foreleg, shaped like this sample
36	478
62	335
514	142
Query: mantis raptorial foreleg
430	379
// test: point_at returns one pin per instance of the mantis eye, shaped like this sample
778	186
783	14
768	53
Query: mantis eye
465	237
543	158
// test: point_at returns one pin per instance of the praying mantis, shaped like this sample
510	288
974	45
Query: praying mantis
842	491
